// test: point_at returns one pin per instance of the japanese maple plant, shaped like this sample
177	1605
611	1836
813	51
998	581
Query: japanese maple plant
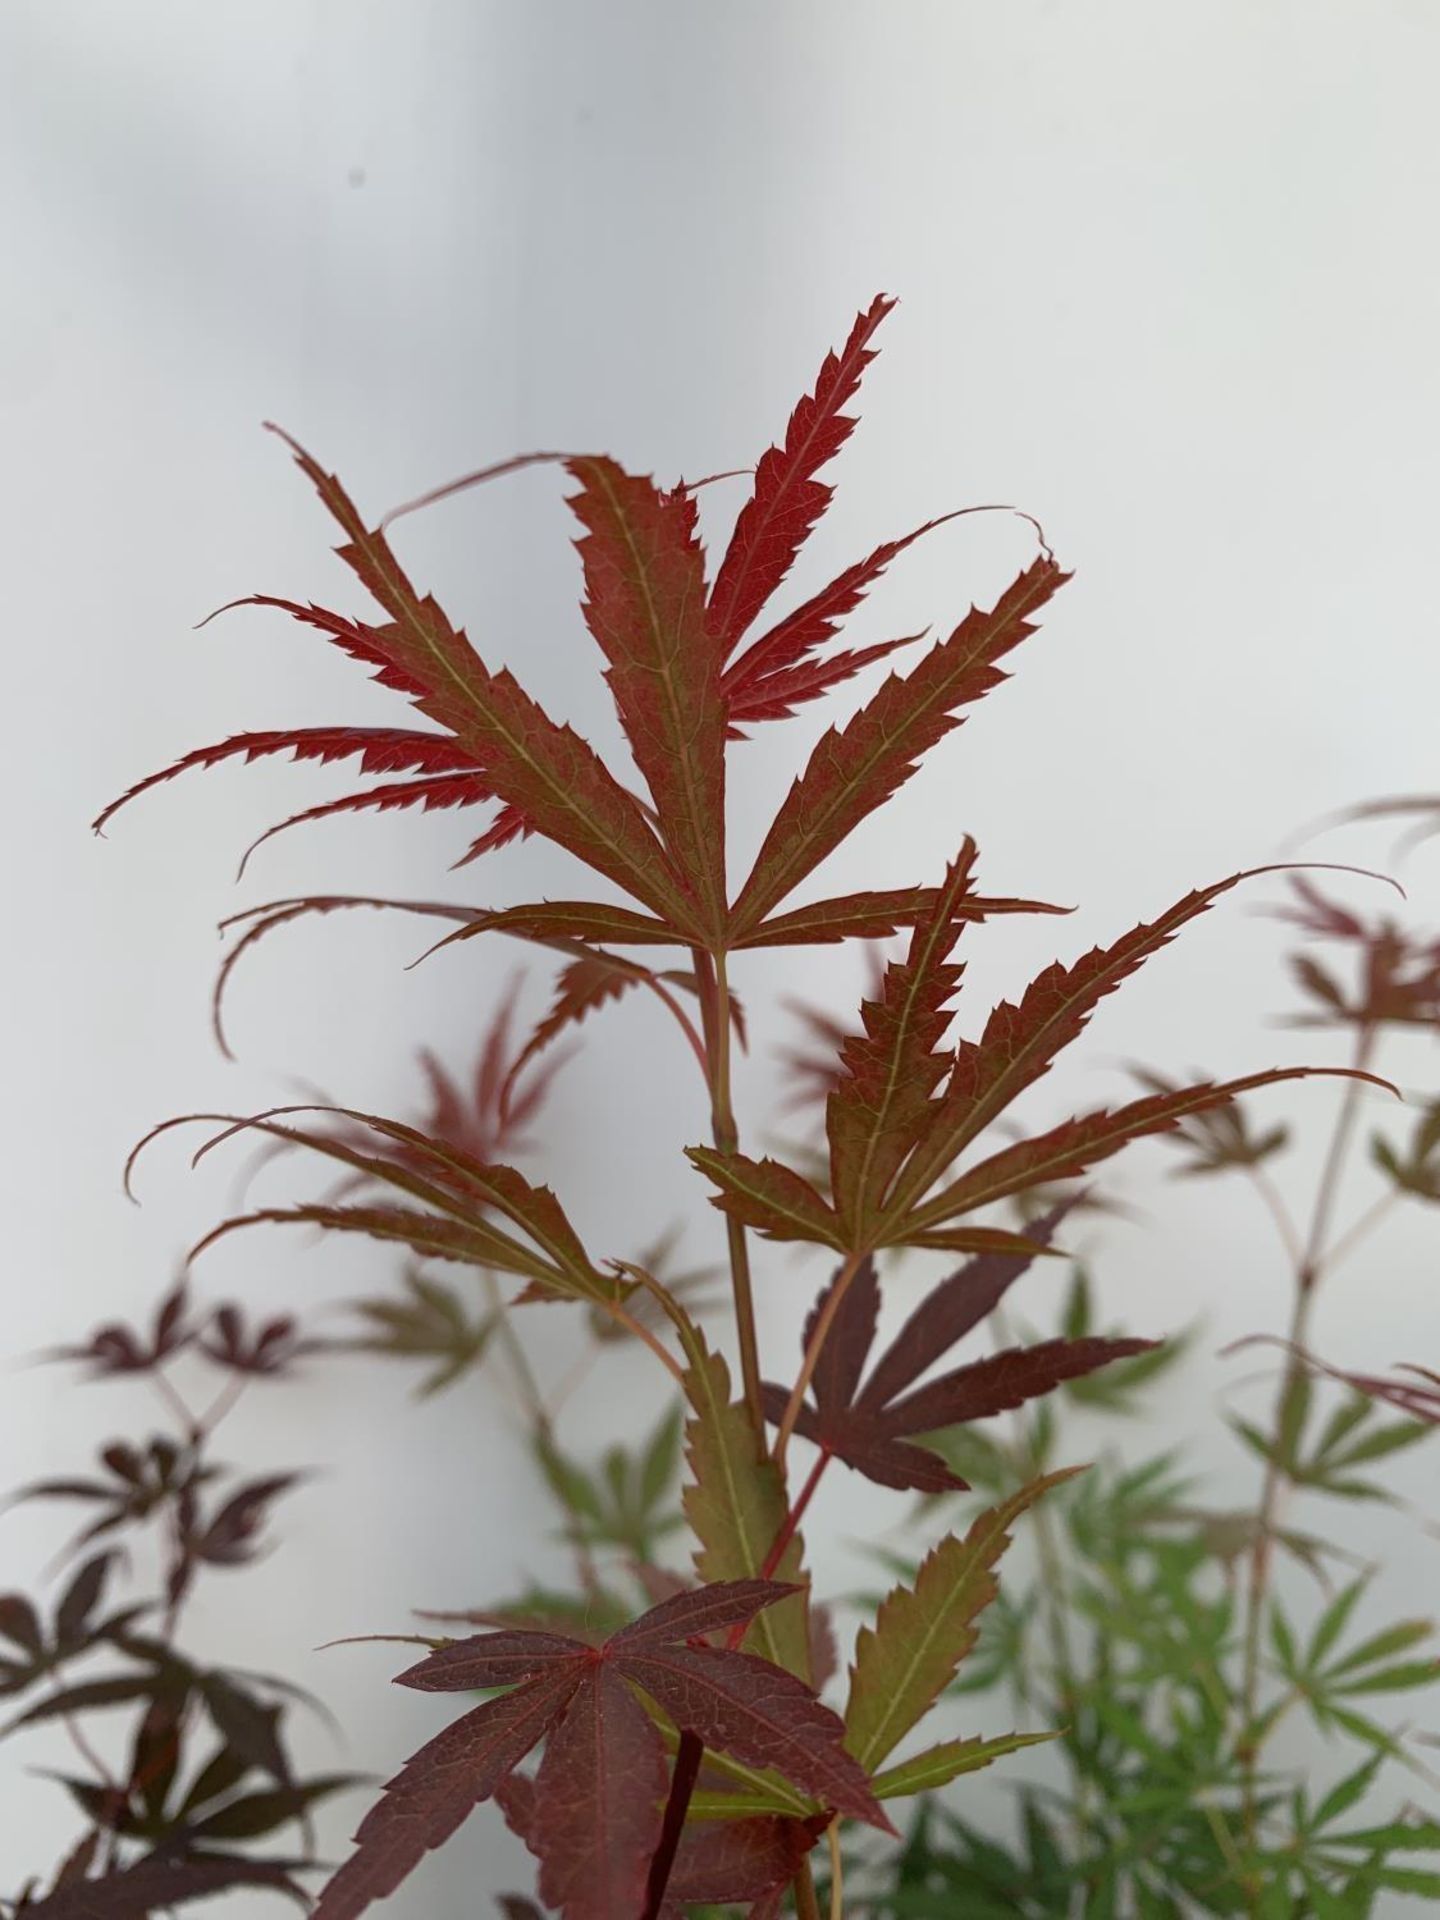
686	1756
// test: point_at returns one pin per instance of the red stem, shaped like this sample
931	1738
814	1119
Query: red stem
787	1533
682	1784
795	1515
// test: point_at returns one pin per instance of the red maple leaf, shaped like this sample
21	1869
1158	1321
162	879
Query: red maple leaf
598	1795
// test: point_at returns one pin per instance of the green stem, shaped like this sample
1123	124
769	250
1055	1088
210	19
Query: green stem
710	971
1311	1265
807	1907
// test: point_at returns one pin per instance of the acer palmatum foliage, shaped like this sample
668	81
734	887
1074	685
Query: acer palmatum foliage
204	1789
696	657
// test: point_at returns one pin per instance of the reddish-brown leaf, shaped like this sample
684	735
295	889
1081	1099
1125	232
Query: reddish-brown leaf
788	499
891	1068
645	605
598	1802
777	696
546	771
500	1659
717	1860
769	1196
951	1310
874	1429
437	1789
1002	1381
547	920
590	981
760	1714
437	795
427	1234
1021	1040
442	1175
855	769
699	1611
378	749
787	648
1071	1149
875	916
724	1860
593	1814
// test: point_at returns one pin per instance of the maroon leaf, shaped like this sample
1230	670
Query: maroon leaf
787	648
700	1611
724	1860
874	1429
952	1309
597	1802
438	1788
603	1764
488	1660
117	1349
758	1713
776	696
1002	1381
156	1884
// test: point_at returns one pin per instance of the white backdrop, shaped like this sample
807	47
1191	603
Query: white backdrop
1167	280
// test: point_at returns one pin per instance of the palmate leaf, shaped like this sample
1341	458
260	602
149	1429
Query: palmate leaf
779	671
923	1631
782	1204
157	1884
461	1190
645	605
727	1860
596	1811
717	1861
556	780
1021	1040
874	1429
593	978
545	774
761	1714
429	1322
438	1789
855	769
598	1801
